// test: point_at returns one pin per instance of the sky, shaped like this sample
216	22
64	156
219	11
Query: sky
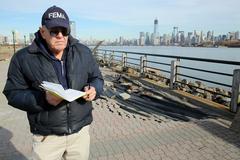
109	19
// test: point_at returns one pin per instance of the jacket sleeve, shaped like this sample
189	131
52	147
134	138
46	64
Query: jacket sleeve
95	77
18	92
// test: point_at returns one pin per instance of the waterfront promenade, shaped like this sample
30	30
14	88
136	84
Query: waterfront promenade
122	132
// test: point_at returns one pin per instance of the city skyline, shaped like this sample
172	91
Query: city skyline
95	20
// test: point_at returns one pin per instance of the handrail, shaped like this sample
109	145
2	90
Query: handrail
203	70
159	63
201	79
177	57
174	72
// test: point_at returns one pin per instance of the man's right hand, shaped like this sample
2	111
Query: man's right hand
52	99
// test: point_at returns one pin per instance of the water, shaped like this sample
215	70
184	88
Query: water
221	53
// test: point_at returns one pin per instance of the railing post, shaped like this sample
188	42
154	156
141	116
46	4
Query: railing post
98	57
110	60
95	55
105	57
235	90
174	71
177	68
124	60
143	64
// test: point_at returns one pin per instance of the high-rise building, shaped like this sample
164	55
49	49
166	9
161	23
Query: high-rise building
6	40
201	36
73	29
155	35
231	35
155	27
121	40
147	39
1	39
166	39
175	35
31	37
237	36
142	39
189	39
212	35
181	37
16	37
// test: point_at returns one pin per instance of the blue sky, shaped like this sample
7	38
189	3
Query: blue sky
109	19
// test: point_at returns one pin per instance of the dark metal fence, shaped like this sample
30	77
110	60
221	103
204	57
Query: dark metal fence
170	66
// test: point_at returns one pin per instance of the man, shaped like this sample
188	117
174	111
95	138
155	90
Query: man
60	128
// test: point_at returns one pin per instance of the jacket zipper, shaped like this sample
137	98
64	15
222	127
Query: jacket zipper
68	109
68	116
62	68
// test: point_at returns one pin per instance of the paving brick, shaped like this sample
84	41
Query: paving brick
128	136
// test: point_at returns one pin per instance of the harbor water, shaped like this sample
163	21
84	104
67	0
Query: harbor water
220	53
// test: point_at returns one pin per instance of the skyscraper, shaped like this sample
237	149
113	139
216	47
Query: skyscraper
155	36
155	27
142	39
31	37
147	38
1	39
73	29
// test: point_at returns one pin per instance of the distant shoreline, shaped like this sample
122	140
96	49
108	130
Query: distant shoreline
168	46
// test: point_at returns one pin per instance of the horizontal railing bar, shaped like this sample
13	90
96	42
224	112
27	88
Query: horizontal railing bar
202	70
159	63
137	59
158	69
117	56
180	57
133	63
226	85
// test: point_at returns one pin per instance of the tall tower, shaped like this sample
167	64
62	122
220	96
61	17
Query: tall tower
73	29
175	34
142	39
155	26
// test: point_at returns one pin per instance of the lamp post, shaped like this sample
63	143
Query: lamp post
25	41
14	47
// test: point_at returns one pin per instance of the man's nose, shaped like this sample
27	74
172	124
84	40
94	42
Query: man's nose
59	34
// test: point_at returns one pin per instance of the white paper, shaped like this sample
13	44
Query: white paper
57	89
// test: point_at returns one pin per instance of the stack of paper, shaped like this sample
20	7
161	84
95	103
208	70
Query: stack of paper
57	89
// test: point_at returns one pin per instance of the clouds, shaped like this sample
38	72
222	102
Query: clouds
133	11
169	12
126	11
188	14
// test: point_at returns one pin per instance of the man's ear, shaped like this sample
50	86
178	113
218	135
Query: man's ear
42	32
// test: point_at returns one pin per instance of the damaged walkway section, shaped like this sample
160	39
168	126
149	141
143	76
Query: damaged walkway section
133	121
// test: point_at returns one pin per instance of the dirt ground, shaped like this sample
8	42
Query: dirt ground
7	51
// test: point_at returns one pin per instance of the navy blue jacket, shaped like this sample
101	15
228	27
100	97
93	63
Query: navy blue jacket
32	65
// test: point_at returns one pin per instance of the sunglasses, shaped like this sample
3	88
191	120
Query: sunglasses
55	31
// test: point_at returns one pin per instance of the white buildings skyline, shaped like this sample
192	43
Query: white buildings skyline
177	37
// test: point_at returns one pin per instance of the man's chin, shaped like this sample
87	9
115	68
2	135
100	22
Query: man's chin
59	48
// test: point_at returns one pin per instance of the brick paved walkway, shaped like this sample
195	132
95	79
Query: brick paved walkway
117	133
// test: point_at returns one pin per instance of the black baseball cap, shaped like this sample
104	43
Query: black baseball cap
55	17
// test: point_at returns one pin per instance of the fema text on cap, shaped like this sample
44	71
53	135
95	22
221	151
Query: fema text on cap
56	15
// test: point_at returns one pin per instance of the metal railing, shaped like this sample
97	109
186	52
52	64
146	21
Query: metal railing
145	63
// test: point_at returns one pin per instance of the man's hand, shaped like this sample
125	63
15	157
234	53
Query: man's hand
90	93
52	99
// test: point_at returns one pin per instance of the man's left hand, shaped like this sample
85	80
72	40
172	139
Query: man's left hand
90	93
